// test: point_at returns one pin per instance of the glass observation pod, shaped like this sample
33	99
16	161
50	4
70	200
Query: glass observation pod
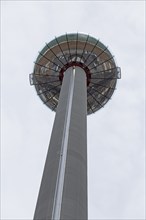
75	50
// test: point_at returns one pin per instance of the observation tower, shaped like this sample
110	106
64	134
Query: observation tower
74	75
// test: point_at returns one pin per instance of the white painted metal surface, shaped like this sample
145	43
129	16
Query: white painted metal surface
63	155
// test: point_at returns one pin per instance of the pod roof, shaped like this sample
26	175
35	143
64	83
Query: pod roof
75	50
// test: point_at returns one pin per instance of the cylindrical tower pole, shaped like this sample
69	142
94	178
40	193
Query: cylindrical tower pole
74	75
63	191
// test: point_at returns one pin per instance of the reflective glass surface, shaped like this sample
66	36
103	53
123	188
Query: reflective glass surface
75	50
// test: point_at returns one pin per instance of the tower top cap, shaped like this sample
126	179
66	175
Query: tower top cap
75	50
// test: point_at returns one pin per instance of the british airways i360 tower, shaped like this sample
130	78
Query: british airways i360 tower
74	75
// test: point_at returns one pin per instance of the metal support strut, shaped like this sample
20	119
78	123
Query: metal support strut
63	190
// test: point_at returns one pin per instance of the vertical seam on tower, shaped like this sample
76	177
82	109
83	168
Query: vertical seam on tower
63	153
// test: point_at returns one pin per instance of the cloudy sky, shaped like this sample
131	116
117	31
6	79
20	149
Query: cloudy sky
116	153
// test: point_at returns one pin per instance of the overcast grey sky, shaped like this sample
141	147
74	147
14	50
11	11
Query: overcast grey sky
116	151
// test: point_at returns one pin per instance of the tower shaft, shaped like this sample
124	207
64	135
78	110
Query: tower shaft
63	190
